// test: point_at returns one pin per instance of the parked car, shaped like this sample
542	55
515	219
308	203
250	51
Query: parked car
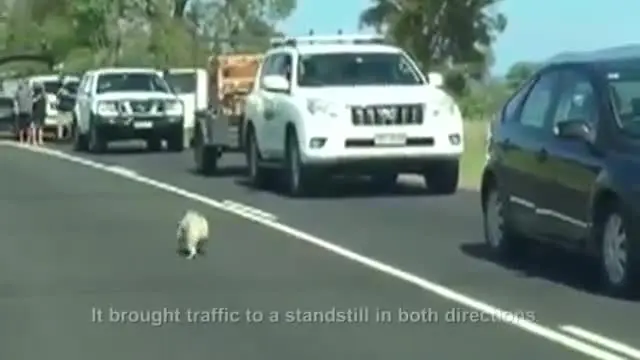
563	167
123	104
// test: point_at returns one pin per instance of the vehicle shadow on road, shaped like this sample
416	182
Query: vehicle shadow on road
346	188
222	171
547	263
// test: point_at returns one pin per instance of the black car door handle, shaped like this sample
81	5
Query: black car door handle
542	155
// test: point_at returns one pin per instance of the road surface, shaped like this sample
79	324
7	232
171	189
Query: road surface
89	269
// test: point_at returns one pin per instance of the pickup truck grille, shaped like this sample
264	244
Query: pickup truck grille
141	106
386	115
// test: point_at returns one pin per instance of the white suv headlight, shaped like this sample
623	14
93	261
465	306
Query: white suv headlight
173	108
106	108
322	107
448	107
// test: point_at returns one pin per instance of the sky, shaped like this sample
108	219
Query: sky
535	31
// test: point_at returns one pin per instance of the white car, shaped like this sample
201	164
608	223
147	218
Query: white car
123	104
192	87
51	84
350	105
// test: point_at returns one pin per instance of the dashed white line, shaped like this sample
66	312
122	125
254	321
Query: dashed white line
531	327
242	208
602	341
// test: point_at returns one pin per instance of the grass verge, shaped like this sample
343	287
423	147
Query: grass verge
475	133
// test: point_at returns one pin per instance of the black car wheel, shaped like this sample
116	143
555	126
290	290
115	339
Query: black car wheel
618	265
499	236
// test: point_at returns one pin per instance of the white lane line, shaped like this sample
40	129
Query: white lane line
532	327
120	170
242	208
602	341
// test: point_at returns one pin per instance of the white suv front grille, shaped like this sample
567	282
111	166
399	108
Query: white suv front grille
385	115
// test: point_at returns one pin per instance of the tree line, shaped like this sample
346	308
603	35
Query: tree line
455	37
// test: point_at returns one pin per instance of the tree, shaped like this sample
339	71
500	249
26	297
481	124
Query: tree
519	73
88	33
448	35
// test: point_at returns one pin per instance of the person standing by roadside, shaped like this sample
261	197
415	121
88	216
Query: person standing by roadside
39	114
24	104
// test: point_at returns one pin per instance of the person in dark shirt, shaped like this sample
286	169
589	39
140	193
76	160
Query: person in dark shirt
39	113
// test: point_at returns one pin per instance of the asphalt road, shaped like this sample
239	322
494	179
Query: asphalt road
79	239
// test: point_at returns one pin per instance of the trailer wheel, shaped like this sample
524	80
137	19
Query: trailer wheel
205	157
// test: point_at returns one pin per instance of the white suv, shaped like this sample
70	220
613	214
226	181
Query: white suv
349	105
122	104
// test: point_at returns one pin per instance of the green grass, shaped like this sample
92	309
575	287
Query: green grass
475	133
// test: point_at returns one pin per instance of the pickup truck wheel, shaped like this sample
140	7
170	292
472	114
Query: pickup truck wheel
79	140
97	143
384	181
175	142
442	177
205	157
297	177
154	144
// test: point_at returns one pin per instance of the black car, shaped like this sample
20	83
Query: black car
563	167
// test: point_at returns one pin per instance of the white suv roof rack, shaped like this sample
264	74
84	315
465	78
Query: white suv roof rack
327	39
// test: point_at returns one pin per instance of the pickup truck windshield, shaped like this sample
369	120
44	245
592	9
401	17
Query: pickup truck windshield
114	82
51	87
350	69
184	83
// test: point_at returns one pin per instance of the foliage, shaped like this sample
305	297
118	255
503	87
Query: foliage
87	33
454	37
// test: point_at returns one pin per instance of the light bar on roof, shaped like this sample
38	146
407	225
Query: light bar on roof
328	39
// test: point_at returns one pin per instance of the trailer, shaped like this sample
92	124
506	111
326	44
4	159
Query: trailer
220	128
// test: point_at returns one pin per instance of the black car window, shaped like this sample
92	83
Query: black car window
576	100
513	104
538	102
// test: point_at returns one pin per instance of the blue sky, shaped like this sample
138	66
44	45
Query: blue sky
537	29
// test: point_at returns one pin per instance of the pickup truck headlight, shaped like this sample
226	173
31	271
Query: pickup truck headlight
173	108
106	108
322	107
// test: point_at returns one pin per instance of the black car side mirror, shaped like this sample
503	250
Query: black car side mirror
573	129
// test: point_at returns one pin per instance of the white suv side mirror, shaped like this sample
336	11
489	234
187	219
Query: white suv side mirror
275	83
436	79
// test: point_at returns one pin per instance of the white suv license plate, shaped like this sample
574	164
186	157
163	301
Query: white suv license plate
143	125
390	140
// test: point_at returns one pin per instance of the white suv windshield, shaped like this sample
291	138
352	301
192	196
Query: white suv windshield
349	69
114	82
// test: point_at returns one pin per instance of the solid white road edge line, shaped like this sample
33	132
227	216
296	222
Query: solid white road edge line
603	341
236	206
437	289
120	170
